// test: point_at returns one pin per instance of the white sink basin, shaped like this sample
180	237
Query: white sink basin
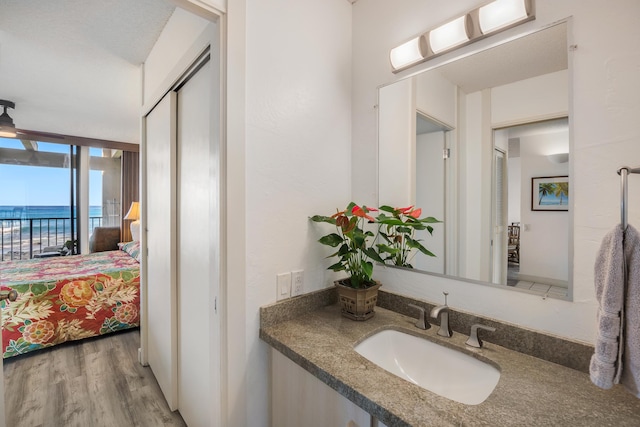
444	371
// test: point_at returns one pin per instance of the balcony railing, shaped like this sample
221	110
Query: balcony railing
23	238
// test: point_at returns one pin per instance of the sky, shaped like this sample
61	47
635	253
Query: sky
42	186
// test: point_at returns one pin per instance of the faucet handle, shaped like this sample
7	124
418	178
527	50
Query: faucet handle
474	340
422	322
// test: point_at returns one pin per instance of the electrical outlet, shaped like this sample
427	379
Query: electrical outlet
297	282
283	288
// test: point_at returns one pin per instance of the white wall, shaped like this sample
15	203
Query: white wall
436	97
604	111
474	157
430	184
397	143
182	29
514	171
298	155
544	236
546	97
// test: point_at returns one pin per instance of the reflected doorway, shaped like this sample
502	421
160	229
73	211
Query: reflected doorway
536	258
431	142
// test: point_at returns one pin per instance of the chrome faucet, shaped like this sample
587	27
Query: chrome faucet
474	340
441	312
422	322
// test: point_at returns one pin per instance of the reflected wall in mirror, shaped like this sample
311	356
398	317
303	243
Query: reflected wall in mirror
463	141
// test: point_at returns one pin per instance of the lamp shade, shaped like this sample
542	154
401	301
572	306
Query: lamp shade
501	13
449	35
134	212
407	53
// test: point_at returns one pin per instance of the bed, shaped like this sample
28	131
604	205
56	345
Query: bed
69	298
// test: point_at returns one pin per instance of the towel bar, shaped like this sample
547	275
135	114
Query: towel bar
624	172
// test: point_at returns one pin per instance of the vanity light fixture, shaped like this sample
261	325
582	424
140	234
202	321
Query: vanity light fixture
449	35
7	128
501	13
491	18
408	53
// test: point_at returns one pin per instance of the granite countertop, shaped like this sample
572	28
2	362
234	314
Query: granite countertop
531	391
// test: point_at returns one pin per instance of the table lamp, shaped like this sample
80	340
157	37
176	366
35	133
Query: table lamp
134	216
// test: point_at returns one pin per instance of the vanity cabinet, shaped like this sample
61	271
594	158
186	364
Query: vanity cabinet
300	399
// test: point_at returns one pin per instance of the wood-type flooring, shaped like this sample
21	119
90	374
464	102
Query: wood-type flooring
91	383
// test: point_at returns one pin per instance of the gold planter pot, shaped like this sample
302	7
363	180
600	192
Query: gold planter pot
357	304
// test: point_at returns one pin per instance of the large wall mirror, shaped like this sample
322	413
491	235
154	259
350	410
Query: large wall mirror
482	143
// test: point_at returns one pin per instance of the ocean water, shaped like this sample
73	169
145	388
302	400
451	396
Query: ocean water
28	212
553	200
38	226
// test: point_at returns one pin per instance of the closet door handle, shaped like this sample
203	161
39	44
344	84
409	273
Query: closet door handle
11	295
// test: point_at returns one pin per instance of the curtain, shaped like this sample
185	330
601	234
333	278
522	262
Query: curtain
130	189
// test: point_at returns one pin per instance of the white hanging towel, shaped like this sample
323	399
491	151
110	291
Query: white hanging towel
617	282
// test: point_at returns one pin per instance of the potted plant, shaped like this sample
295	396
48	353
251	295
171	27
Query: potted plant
358	293
397	227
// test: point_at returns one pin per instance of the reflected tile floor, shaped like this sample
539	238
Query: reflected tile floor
551	290
537	287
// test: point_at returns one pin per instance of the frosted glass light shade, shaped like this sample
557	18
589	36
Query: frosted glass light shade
406	54
448	35
558	158
501	13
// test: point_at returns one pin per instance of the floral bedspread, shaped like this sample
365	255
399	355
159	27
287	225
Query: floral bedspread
68	298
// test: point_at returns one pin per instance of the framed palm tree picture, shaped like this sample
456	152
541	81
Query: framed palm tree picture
550	193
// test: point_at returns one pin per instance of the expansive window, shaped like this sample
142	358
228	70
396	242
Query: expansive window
48	205
105	188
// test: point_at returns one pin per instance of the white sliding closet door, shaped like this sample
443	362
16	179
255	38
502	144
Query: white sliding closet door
161	243
195	266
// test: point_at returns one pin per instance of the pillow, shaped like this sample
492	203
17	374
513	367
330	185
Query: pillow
132	248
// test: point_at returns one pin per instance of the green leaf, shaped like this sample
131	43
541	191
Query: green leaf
338	266
390	221
417	245
404	230
322	218
20	347
386	208
21	289
332	240
39	289
371	253
344	249
430	229
430	220
387	249
385	236
367	268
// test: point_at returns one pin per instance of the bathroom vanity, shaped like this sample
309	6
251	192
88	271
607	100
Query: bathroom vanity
315	366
